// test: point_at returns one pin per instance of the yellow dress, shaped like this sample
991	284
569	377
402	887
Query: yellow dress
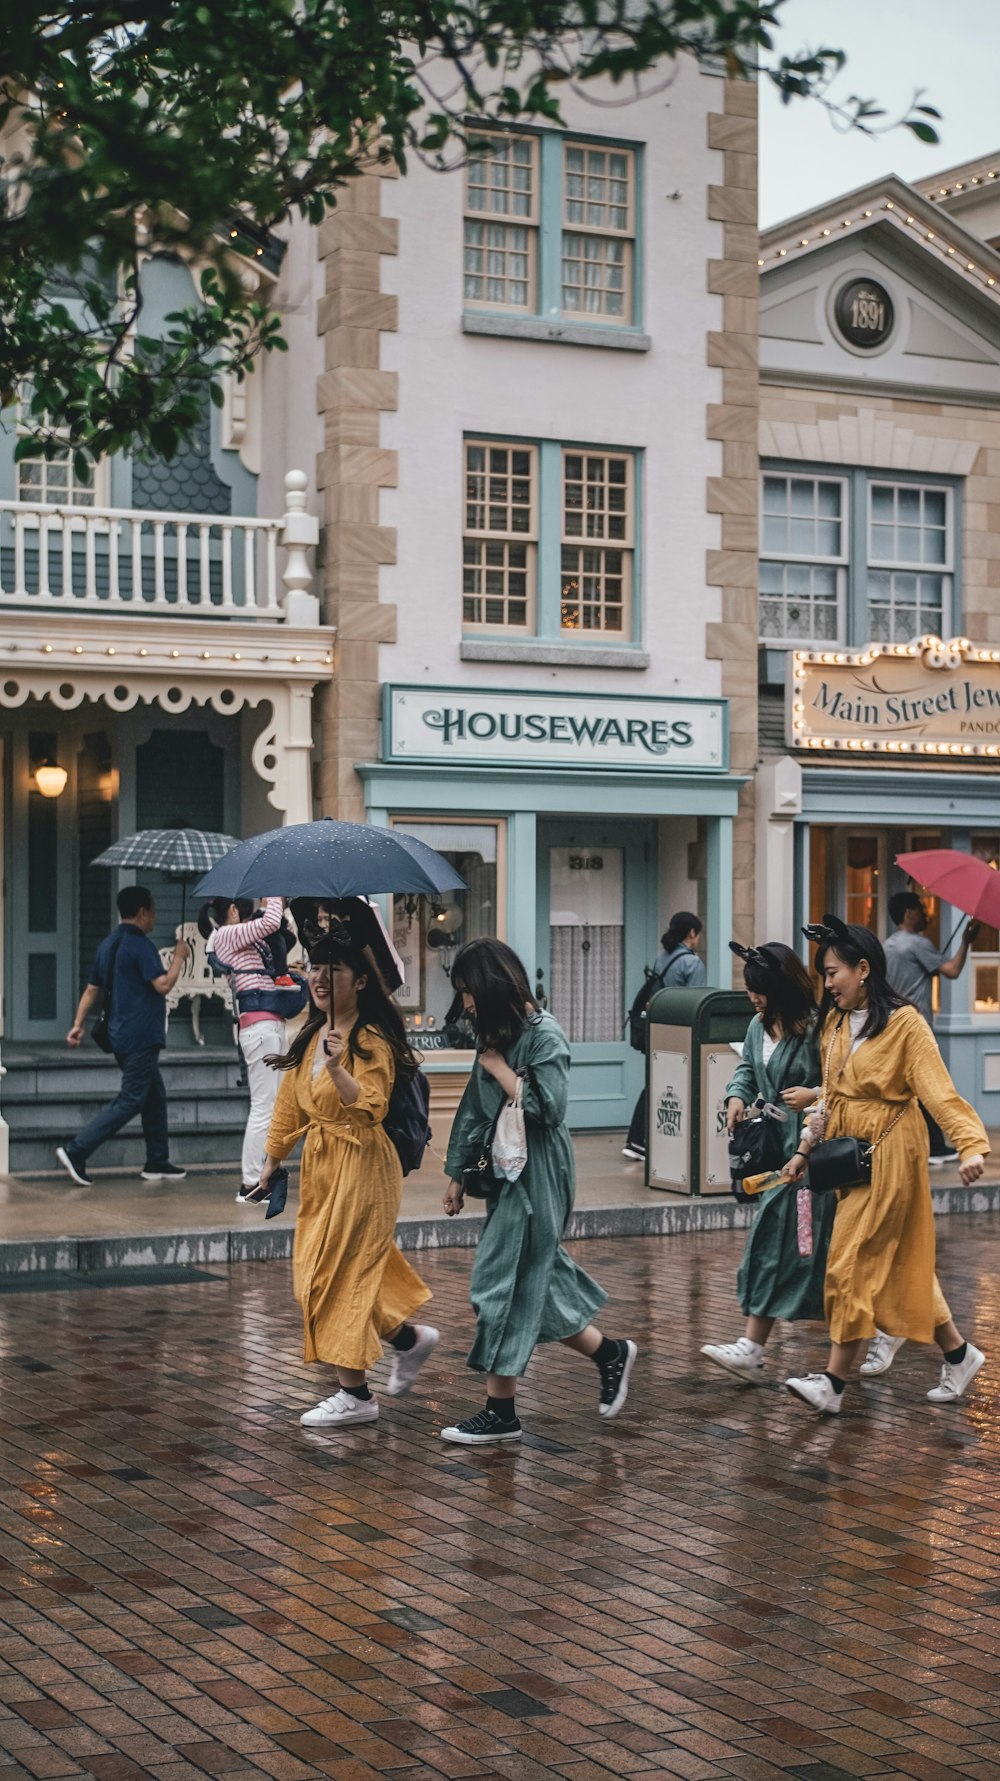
880	1269
350	1279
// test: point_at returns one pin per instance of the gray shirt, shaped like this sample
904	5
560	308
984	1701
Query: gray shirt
913	961
680	968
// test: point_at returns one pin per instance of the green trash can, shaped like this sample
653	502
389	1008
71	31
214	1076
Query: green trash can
689	1060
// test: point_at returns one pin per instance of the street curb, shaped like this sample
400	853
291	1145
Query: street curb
671	1218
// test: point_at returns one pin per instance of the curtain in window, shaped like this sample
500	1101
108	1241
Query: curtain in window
585	984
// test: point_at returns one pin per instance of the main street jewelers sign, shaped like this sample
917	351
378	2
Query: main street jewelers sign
449	724
928	697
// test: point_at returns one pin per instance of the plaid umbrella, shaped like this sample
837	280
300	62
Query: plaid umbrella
182	853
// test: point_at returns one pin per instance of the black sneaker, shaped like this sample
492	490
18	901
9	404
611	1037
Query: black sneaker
74	1166
614	1379
253	1195
163	1172
486	1425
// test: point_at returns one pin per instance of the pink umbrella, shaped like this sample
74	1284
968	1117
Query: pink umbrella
961	879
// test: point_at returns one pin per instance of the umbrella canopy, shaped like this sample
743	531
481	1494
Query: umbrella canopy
958	878
184	852
330	859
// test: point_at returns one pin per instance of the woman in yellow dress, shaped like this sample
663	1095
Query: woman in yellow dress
880	1060
354	1287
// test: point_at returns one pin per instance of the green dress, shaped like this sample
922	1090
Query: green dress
774	1280
525	1289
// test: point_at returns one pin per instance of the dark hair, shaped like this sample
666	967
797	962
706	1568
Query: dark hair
900	902
788	990
132	900
679	929
860	943
493	975
213	914
377	1012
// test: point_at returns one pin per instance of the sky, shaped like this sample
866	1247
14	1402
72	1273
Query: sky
951	50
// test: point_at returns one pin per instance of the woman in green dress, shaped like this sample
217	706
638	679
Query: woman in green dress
525	1289
780	1065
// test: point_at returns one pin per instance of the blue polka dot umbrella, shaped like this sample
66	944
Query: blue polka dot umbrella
330	859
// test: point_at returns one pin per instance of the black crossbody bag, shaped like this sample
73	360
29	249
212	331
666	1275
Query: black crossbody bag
836	1165
100	1032
756	1145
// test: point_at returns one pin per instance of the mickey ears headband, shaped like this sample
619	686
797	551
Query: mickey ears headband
754	955
829	930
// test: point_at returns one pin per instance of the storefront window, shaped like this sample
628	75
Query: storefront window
863	881
428	931
985	949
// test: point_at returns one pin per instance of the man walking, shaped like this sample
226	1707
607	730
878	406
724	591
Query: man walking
128	975
913	962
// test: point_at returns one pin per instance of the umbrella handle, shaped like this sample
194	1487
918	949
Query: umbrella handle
962	922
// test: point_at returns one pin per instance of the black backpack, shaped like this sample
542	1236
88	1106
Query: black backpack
406	1119
652	981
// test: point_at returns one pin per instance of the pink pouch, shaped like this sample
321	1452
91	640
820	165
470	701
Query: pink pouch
804	1220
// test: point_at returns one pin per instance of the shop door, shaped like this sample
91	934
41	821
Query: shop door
596	931
40	950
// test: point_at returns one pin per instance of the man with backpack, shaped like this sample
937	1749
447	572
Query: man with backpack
128	975
677	965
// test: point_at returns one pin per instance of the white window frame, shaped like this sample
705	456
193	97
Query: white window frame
529	539
505	220
840	563
891	566
99	486
582	542
600	232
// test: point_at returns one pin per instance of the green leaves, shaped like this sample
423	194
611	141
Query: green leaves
180	128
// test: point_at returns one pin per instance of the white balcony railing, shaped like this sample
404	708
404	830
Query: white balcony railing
108	559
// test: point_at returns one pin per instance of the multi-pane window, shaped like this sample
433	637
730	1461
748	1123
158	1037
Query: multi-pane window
501	215
909	558
854	558
500	536
984	959
598	226
52	482
597	513
550	228
804	558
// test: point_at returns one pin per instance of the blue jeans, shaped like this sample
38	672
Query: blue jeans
141	1092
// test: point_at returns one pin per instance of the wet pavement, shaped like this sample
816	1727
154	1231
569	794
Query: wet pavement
717	1584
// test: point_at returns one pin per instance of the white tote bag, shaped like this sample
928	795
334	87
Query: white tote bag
510	1141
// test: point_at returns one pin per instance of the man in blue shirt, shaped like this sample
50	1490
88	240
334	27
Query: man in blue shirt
128	976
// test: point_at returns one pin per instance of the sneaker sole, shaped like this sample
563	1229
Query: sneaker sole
337	1422
610	1411
820	1409
392	1390
72	1172
757	1377
981	1362
867	1372
478	1440
148	1176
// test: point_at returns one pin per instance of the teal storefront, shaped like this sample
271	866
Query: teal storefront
564	813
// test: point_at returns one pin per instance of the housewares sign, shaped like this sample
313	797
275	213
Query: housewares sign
928	698
451	725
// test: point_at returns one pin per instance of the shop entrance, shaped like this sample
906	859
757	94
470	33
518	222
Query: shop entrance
596	931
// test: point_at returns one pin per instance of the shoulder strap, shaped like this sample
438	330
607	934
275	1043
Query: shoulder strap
108	987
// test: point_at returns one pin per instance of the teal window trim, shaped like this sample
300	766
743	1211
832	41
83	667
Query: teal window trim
551	167
548	577
859	480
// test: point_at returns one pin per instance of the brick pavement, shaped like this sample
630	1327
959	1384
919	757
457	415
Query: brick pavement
718	1584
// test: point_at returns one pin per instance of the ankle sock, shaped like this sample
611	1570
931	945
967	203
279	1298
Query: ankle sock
838	1384
957	1355
404	1339
357	1391
502	1407
609	1351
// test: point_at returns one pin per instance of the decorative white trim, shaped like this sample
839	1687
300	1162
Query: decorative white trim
123	663
869	441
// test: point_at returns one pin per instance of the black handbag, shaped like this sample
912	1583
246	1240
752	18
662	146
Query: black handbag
836	1165
100	1032
757	1144
480	1180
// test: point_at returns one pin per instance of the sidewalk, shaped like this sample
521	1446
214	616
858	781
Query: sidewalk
46	1222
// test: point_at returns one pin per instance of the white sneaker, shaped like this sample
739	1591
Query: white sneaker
882	1351
942	1159
955	1380
406	1366
339	1410
744	1358
634	1152
815	1389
